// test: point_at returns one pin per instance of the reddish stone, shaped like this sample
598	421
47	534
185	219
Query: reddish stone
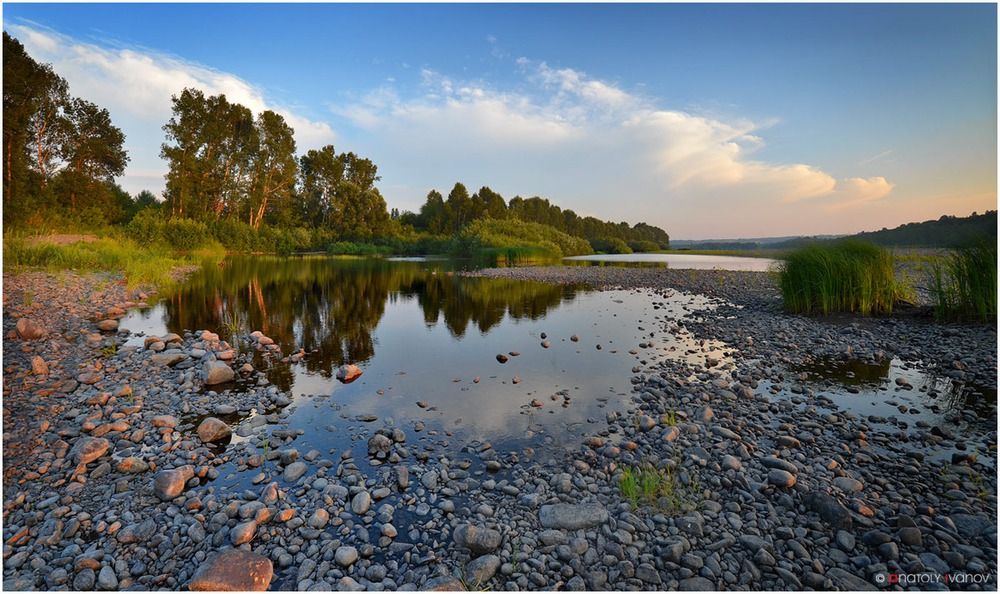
233	570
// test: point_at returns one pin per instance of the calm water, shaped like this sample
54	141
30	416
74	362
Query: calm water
685	261
424	335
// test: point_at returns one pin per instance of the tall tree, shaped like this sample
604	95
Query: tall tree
210	149
338	192
493	204
320	174
274	168
432	214
459	207
92	149
33	96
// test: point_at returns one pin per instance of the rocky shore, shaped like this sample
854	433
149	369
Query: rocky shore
113	465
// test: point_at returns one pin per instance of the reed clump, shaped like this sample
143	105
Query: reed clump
842	276
964	285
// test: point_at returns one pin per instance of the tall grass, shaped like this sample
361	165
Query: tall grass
138	265
965	284
843	276
514	256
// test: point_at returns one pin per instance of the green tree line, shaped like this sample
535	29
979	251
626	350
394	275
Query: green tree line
440	216
947	231
235	179
60	153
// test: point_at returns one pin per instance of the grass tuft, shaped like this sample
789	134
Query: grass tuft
659	488
965	285
843	276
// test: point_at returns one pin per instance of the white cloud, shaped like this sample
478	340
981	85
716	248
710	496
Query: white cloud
856	191
136	86
589	145
584	143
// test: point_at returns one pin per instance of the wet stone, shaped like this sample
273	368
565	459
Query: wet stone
361	502
346	556
294	471
85	580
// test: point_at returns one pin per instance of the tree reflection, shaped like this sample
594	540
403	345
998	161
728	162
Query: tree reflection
330	307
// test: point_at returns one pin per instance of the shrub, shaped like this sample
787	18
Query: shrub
644	245
610	245
846	275
235	235
186	234
485	234
146	227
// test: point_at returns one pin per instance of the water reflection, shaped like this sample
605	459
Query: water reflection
330	307
910	384
422	334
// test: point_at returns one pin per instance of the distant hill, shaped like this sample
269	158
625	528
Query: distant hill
948	231
748	244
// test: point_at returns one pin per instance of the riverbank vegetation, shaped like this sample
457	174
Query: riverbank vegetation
965	284
848	276
855	276
138	265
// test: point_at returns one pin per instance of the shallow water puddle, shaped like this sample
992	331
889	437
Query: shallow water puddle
901	398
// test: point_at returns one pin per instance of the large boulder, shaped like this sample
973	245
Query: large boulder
478	539
29	329
168	484
233	570
217	372
829	509
212	429
169	357
107	325
88	449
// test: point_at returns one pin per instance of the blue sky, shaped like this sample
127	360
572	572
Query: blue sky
734	120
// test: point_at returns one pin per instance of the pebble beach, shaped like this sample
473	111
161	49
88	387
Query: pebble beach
112	462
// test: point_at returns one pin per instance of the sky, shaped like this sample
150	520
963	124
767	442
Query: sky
708	120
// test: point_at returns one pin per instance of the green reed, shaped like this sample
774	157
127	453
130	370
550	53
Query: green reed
843	276
965	284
